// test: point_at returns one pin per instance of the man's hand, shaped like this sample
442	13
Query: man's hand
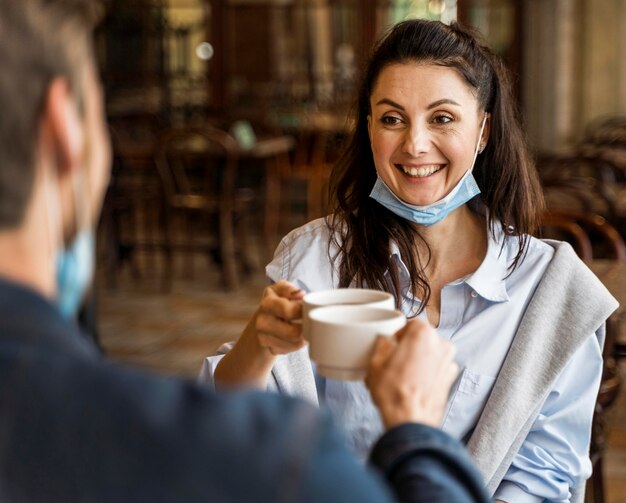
410	374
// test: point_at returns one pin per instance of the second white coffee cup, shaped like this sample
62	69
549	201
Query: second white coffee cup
342	337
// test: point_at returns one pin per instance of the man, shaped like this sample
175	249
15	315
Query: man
75	428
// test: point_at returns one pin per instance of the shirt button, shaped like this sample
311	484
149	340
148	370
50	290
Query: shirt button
474	295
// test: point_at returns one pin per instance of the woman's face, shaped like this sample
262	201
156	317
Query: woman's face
424	128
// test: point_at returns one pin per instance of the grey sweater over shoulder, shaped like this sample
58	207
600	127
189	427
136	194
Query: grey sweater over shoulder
569	303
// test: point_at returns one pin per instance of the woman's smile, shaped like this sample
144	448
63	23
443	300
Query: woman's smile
421	171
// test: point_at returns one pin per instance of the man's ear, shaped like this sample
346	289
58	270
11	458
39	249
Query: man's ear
62	122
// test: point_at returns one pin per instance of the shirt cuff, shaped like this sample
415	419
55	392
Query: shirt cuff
206	377
512	493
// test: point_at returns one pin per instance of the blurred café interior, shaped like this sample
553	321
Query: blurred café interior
225	119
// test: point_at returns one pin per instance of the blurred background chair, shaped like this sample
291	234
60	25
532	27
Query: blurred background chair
307	167
595	241
592	236
132	211
305	171
205	210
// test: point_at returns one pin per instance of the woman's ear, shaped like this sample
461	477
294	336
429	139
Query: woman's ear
486	131
61	120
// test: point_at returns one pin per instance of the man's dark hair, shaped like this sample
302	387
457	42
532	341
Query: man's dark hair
39	40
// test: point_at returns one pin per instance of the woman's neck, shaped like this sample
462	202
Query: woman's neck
457	244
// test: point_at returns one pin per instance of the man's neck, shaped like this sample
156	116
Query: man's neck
26	256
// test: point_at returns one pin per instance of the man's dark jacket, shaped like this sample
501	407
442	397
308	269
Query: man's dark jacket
74	428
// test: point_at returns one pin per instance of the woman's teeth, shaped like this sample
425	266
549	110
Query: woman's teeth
420	172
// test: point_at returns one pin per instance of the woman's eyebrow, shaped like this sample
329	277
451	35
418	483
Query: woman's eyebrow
444	101
387	101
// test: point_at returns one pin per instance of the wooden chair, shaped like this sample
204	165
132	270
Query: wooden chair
572	181
559	227
198	171
594	237
609	130
604	142
309	164
131	218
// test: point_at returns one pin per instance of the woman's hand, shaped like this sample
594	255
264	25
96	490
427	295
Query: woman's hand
273	322
270	332
410	374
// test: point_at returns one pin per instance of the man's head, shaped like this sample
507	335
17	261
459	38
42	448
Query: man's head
49	102
54	147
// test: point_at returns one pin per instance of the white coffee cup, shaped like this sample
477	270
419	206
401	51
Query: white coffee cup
343	296
342	337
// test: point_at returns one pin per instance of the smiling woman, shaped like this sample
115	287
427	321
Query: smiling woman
423	143
435	201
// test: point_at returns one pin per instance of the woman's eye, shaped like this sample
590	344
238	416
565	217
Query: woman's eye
390	120
442	119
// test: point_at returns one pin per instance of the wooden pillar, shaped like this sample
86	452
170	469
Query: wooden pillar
368	27
321	49
462	12
216	36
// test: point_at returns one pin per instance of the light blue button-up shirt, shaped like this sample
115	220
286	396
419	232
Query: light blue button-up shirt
480	314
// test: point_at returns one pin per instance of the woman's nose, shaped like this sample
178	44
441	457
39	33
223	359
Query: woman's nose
417	141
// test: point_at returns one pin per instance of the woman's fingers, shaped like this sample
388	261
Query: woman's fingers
282	300
278	346
281	304
281	328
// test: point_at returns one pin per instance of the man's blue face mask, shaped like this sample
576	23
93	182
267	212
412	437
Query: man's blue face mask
74	264
75	268
465	189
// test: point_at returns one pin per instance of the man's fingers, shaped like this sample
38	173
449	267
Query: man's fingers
383	348
414	327
450	373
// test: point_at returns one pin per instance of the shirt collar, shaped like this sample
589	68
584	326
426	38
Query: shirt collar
403	271
488	280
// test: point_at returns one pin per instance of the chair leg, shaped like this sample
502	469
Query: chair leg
598	481
168	246
243	231
272	207
187	227
227	247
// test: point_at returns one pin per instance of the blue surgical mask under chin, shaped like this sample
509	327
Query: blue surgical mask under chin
75	267
463	191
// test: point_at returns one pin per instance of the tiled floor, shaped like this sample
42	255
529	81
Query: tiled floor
171	332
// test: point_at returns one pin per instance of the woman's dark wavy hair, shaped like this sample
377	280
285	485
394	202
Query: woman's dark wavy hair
362	228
